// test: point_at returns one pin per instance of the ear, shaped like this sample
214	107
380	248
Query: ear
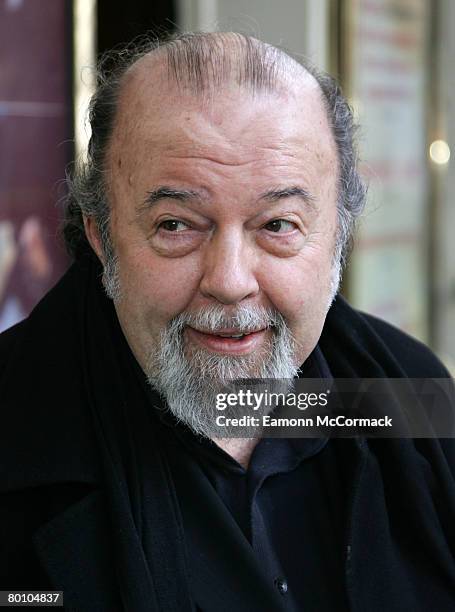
93	236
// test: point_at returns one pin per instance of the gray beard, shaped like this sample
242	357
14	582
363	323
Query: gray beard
190	381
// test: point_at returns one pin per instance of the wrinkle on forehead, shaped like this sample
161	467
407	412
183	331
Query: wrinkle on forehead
155	116
154	102
158	80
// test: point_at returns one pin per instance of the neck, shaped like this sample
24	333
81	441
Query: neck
240	449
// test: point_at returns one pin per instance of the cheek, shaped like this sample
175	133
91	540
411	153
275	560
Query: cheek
157	286
298	287
300	292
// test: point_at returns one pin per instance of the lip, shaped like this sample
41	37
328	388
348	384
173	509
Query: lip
227	346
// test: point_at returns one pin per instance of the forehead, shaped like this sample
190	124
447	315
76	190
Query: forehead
232	126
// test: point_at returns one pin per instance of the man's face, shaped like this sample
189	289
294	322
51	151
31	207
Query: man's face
229	204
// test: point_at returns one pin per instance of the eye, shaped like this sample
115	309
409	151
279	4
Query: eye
280	226
173	225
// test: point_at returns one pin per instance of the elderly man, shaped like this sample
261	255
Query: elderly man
215	209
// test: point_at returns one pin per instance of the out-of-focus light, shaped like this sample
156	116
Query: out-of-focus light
13	5
439	152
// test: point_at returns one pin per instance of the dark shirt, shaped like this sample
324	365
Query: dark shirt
289	504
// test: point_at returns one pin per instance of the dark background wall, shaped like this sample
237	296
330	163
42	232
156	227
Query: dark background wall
35	146
120	21
36	132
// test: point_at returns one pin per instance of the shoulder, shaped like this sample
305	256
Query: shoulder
8	341
360	344
46	425
416	357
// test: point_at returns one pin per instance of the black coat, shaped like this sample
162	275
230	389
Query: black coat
54	532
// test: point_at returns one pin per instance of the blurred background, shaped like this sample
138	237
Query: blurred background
394	59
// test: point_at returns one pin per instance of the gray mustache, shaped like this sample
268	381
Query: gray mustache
244	319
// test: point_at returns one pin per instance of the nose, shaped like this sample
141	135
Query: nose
228	275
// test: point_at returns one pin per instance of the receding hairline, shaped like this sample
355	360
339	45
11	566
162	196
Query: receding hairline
204	63
163	76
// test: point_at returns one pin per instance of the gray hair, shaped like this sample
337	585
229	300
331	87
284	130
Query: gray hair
200	61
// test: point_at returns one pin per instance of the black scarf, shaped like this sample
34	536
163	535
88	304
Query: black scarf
150	561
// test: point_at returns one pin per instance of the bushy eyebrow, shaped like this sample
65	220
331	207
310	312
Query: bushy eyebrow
164	193
186	195
289	192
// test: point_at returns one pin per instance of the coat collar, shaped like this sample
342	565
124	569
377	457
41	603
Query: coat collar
46	431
